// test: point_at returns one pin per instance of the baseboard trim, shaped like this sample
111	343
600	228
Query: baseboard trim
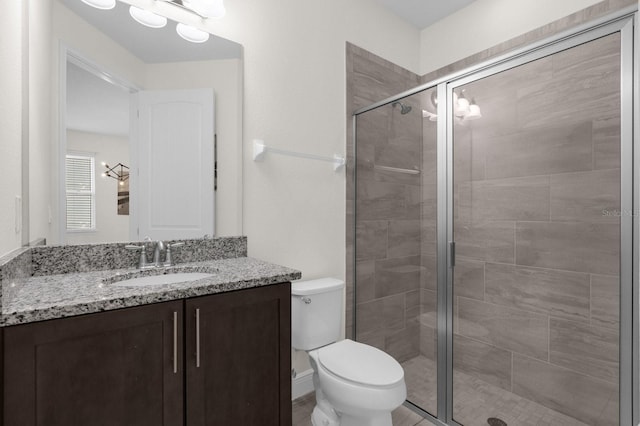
302	384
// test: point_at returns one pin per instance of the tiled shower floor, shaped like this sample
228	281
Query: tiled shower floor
475	400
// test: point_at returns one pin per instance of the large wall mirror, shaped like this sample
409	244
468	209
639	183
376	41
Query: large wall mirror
147	130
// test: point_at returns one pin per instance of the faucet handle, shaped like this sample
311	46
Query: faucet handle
168	259
142	263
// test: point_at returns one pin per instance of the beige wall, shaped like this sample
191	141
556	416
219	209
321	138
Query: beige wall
110	227
486	23
10	122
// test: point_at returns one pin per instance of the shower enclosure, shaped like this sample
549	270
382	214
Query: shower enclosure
494	233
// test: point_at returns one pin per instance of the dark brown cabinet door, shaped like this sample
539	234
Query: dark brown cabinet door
238	358
112	368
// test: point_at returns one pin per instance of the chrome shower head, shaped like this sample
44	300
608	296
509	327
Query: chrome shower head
404	109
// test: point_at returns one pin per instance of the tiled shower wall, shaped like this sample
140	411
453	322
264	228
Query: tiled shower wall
536	225
388	223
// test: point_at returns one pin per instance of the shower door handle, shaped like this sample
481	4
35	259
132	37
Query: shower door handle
452	253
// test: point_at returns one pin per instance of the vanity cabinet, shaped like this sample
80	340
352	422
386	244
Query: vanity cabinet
222	359
109	368
238	358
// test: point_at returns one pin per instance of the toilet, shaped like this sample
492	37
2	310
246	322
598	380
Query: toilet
355	384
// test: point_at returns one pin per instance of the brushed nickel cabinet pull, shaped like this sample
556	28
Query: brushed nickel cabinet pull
198	338
175	342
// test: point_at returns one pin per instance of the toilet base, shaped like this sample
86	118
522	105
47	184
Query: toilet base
321	418
383	419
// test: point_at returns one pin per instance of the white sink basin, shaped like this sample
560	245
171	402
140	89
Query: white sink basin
179	277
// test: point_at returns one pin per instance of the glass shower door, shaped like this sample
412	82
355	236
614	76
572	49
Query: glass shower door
395	241
536	223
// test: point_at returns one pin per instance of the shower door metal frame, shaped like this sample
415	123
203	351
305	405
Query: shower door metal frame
624	21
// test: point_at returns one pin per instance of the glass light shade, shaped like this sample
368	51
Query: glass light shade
147	18
462	106
209	8
101	4
474	113
191	34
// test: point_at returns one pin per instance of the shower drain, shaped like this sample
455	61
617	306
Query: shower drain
494	421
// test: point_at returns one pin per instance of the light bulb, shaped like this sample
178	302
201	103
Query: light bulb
147	18
462	105
474	112
104	164
191	34
121	183
104	175
101	4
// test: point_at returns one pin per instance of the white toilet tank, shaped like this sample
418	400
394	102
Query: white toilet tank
316	313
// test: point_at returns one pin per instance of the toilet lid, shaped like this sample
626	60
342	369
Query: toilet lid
360	363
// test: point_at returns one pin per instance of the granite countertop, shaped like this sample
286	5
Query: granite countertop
46	297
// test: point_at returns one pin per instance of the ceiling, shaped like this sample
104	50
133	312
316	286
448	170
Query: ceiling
109	115
422	13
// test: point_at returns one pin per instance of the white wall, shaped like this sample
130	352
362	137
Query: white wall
486	23
10	122
110	227
294	83
40	123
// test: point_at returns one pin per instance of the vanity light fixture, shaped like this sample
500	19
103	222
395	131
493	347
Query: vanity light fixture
116	172
191	34
463	110
147	18
101	4
204	9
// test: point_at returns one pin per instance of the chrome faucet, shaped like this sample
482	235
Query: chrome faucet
159	248
157	253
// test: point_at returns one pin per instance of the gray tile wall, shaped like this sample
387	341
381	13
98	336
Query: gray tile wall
536	282
387	227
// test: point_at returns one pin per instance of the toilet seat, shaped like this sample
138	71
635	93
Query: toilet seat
361	364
